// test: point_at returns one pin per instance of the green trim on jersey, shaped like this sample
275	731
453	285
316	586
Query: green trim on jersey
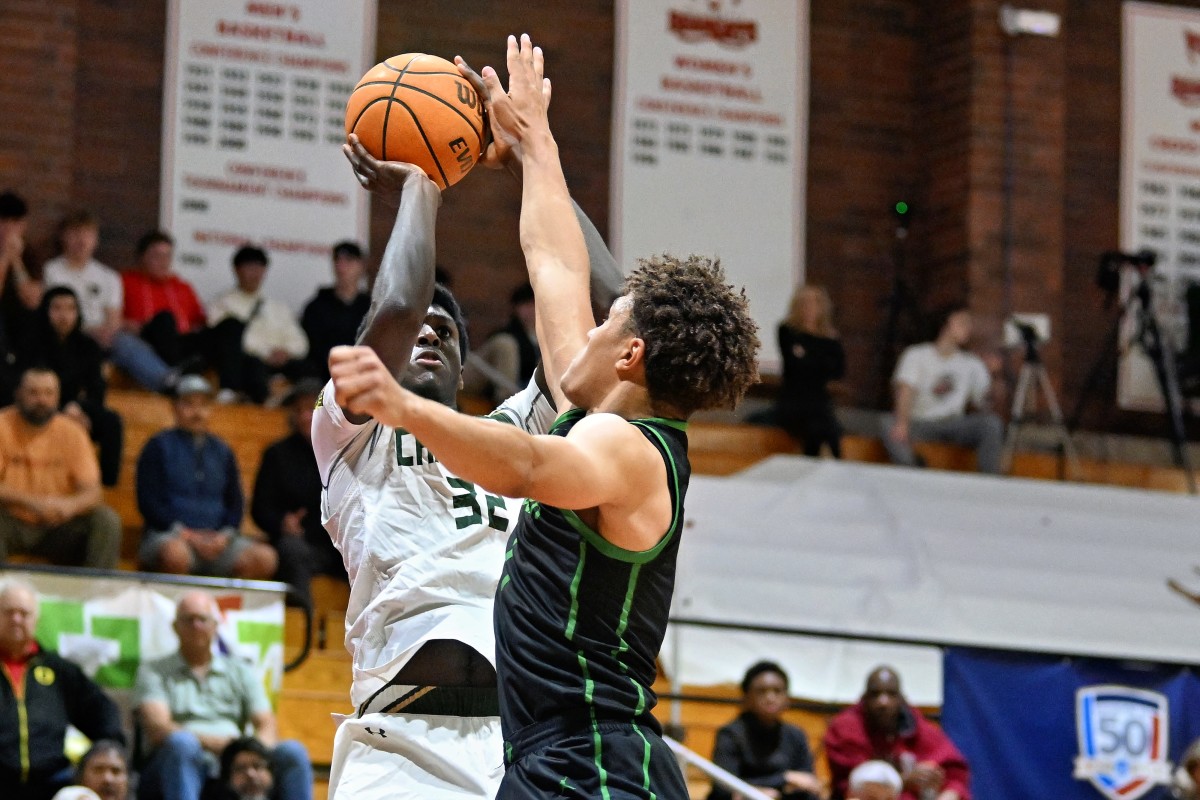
619	553
567	416
677	424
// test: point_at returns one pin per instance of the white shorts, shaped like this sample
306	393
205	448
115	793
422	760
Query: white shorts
416	757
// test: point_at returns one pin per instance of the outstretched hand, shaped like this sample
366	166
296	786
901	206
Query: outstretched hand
363	385
385	178
517	116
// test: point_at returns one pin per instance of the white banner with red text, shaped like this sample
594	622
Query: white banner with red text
709	141
253	120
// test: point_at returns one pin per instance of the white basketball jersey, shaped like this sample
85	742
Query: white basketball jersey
423	548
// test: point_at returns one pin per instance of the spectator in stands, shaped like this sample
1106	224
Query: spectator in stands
60	344
19	293
40	694
162	308
102	774
190	496
50	500
935	382
812	357
874	780
101	296
509	355
762	749
245	772
194	703
883	726
287	498
333	317
257	344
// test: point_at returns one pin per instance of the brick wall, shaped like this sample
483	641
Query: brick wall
907	103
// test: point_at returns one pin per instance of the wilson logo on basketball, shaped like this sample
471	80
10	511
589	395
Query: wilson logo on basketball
696	28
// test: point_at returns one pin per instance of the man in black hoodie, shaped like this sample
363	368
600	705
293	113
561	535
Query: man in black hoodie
40	694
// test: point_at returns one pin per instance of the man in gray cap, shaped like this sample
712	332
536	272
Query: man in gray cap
190	496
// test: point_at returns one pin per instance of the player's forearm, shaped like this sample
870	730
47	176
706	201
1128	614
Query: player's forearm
557	259
498	457
403	285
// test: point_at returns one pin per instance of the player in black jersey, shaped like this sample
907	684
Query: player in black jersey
582	606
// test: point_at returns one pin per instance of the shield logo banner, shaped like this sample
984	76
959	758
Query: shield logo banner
1122	740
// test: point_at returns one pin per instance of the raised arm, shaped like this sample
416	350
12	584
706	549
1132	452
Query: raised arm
556	251
402	286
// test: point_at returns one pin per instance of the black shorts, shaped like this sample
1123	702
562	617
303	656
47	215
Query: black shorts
614	760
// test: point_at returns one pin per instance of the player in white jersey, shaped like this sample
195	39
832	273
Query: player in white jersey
424	549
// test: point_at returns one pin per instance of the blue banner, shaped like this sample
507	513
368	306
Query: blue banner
1035	726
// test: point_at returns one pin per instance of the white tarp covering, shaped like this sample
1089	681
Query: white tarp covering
952	558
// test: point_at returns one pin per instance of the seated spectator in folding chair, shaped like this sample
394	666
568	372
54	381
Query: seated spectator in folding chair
258	346
101	774
50	499
287	498
762	749
41	693
60	344
193	704
189	493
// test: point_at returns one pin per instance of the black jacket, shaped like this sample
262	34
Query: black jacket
33	722
760	756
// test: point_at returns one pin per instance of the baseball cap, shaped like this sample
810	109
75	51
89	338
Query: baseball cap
193	384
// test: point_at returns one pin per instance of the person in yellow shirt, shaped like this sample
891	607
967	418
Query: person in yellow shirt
50	500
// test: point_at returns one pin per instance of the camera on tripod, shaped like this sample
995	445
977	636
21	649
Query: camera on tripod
1108	276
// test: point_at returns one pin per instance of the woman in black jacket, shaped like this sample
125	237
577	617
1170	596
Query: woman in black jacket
812	357
59	343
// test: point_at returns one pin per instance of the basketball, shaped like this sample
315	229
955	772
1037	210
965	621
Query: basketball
418	108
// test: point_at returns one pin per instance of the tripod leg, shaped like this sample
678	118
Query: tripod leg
1016	418
1168	383
1103	366
1056	417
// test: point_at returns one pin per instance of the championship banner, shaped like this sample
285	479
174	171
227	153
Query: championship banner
709	141
253	120
110	625
1160	186
1071	729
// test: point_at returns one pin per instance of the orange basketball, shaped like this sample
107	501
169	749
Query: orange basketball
418	108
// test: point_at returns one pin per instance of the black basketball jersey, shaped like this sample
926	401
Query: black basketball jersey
579	621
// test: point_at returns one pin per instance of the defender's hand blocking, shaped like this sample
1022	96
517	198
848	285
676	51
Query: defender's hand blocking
519	114
385	178
363	385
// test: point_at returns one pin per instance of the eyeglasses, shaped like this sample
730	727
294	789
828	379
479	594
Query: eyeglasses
193	619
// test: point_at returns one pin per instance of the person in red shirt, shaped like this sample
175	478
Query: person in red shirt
883	726
161	307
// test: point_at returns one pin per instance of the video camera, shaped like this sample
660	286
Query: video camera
1108	276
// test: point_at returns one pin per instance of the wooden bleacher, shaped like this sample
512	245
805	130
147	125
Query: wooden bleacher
320	686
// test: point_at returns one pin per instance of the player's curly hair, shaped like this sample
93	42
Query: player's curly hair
701	344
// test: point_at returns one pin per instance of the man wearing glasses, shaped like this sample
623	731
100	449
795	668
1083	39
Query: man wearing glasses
193	703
